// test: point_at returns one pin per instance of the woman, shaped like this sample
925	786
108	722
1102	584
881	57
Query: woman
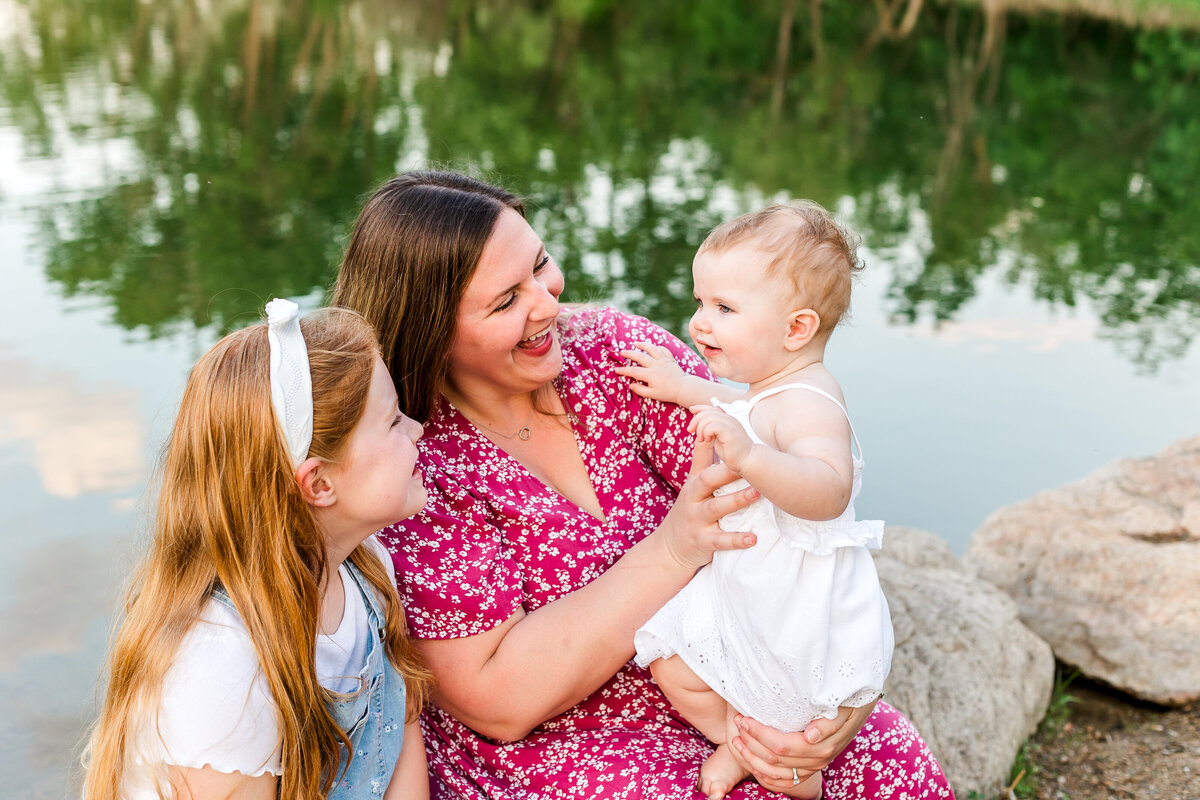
563	512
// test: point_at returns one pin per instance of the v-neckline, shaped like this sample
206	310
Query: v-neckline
559	387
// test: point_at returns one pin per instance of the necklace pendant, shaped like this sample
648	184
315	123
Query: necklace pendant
524	433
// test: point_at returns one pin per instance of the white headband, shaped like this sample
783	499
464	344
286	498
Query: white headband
291	382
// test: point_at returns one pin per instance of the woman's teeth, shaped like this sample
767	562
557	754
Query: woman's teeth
535	340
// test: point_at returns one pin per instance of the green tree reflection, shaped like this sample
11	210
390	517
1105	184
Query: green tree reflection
1060	152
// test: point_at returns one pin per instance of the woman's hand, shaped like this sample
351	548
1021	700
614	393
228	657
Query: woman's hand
777	759
506	681
691	530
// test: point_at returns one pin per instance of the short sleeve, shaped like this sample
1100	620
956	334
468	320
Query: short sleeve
456	575
657	429
216	708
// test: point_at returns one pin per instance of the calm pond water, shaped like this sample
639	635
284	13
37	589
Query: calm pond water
1024	189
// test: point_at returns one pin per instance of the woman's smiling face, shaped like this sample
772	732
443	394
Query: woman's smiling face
505	341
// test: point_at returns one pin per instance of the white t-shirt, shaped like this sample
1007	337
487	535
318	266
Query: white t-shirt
216	708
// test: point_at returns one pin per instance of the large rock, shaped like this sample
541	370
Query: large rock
1107	570
971	677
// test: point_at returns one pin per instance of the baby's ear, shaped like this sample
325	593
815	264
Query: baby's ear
802	328
316	486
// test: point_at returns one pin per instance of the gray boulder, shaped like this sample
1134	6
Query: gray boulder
1107	570
973	679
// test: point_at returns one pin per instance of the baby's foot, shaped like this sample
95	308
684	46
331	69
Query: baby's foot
721	772
810	788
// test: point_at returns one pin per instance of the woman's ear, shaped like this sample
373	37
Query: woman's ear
802	328
316	486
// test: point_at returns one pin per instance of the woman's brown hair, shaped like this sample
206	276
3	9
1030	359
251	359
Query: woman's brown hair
414	249
230	514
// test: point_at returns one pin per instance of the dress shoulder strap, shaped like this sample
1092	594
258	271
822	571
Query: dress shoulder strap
808	387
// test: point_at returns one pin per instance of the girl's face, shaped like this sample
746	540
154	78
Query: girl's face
376	478
505	341
743	315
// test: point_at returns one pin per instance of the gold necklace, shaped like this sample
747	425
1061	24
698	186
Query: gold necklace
523	433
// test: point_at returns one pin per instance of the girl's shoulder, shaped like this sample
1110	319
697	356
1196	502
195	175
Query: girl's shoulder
216	707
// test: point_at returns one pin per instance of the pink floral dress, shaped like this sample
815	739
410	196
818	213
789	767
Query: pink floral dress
493	538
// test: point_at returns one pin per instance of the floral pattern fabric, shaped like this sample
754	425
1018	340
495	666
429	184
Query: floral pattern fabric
493	538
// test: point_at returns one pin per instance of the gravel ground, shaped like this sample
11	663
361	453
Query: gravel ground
1106	746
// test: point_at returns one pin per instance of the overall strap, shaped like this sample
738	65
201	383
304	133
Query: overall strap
774	390
221	596
375	612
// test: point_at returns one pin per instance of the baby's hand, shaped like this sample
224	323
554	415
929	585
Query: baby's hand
728	436
654	372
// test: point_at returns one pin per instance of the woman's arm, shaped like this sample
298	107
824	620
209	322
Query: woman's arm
410	779
208	784
505	682
771	755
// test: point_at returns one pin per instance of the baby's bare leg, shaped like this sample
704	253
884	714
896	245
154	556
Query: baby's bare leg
691	696
711	715
722	771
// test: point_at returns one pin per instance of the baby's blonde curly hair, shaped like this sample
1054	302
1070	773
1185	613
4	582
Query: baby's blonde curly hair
817	253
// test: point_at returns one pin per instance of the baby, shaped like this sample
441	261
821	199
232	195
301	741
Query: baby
796	626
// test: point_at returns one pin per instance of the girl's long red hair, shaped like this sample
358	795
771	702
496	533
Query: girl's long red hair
230	513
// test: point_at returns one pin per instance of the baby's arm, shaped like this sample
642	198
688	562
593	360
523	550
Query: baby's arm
811	473
656	375
410	779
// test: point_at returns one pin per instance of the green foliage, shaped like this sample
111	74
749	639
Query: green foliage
1066	160
1025	775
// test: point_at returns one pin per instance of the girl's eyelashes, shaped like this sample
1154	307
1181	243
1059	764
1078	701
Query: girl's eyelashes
512	298
542	264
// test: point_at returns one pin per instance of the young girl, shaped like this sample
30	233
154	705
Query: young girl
263	651
797	625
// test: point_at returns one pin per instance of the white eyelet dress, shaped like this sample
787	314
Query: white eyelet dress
792	628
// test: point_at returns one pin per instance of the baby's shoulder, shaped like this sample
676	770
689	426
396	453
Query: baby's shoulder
818	388
814	406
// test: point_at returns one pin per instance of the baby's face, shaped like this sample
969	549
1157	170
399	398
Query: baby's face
743	315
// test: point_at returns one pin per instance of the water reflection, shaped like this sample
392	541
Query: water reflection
45	616
1061	156
82	441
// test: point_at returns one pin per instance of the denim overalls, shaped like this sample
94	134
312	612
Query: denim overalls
373	716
